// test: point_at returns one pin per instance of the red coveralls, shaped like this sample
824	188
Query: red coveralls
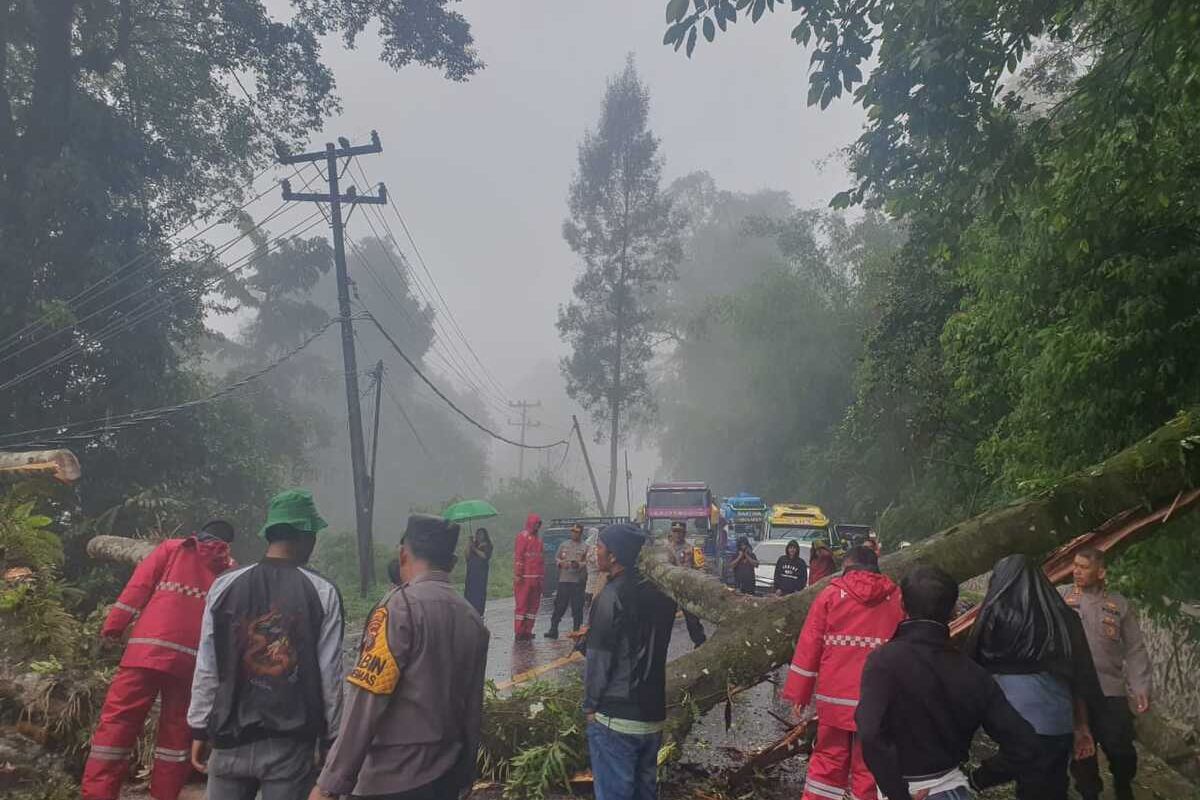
166	595
529	573
856	613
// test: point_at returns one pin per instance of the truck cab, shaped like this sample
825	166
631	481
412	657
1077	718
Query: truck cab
803	522
687	501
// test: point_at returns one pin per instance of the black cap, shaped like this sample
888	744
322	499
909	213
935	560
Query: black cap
430	537
624	541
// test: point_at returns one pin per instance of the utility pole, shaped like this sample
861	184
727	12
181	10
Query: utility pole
524	423
377	378
628	478
358	457
588	463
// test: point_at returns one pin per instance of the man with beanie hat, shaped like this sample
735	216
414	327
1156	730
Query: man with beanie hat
529	573
414	703
268	683
625	675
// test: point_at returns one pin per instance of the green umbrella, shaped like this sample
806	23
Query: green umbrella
470	509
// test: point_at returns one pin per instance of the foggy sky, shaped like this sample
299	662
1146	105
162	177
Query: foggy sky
481	169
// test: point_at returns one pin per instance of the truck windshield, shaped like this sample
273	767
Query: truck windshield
800	533
677	499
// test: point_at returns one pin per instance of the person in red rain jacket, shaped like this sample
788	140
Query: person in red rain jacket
856	613
821	564
529	573
164	600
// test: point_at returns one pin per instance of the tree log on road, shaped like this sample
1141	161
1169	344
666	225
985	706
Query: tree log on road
756	636
749	645
119	549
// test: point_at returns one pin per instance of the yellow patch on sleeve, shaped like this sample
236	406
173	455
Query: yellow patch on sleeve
376	670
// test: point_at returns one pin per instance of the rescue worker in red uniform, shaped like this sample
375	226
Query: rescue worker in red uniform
529	573
858	612
166	598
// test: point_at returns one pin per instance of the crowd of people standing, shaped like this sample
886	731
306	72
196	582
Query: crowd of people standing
247	664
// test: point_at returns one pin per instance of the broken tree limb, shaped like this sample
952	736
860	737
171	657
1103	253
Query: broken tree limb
1147	474
61	465
119	549
697	591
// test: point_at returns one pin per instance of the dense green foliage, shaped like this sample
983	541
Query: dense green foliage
121	122
623	229
1043	310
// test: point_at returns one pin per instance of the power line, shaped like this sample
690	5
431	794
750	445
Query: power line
148	309
398	303
132	418
383	332
437	290
90	291
463	369
413	428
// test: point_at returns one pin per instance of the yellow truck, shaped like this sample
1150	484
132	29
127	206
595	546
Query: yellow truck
803	522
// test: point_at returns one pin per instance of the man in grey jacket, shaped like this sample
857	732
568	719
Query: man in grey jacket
267	692
415	696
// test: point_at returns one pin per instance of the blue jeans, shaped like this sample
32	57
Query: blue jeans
624	766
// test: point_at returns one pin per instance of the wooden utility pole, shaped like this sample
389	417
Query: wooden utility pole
588	463
331	155
524	422
377	377
628	478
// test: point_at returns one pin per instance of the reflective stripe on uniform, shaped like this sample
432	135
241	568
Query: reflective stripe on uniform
164	643
167	754
124	607
824	790
846	640
803	672
837	701
103	752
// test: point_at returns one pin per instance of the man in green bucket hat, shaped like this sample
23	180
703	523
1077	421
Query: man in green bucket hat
267	691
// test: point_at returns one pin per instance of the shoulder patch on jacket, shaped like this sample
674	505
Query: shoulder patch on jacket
376	670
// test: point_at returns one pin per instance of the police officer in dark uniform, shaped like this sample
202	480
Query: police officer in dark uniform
1123	666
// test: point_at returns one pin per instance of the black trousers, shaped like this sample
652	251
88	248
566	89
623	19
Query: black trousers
1112	726
1045	779
569	593
695	628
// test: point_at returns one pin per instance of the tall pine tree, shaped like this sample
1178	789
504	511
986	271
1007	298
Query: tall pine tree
625	231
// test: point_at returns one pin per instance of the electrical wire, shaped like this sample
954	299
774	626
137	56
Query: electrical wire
151	308
90	291
400	351
433	283
133	418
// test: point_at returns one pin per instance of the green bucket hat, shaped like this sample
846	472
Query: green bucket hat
293	507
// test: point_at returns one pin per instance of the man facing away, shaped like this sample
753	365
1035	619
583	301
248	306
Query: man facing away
856	613
529	573
624	679
267	687
1122	664
571	561
922	701
166	596
682	554
414	704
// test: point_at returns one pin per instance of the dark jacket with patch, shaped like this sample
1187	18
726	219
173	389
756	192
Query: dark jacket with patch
625	676
270	660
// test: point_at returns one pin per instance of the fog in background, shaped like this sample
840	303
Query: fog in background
480	171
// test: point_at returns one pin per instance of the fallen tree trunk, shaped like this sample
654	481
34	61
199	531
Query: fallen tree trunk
119	549
749	646
58	464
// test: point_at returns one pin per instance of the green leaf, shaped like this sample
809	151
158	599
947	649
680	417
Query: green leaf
676	9
691	41
710	29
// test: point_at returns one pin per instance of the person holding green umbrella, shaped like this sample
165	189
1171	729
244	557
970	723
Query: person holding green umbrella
267	689
479	548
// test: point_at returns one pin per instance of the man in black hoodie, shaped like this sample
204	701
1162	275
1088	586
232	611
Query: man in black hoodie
922	701
625	679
